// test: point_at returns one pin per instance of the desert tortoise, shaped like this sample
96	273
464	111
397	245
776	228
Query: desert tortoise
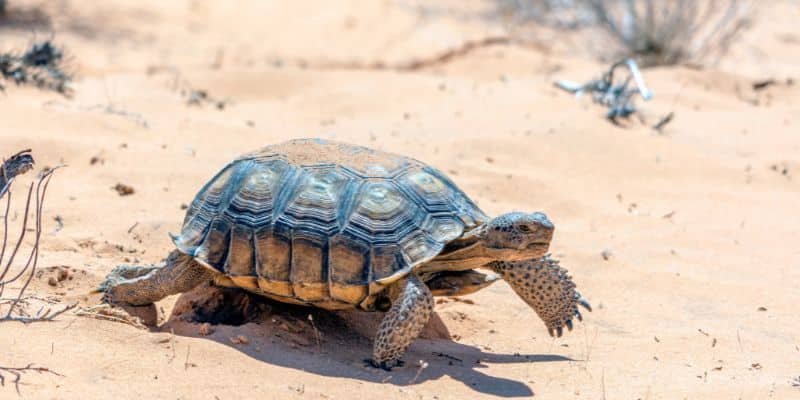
338	226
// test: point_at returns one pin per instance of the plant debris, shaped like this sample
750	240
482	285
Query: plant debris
617	96
663	122
107	312
199	97
759	85
41	65
15	165
19	371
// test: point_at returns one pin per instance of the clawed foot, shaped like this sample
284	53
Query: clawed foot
384	365
558	329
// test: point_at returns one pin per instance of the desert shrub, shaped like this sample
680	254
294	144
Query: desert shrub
666	32
41	65
562	14
655	32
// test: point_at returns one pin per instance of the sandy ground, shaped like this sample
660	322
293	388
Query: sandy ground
697	299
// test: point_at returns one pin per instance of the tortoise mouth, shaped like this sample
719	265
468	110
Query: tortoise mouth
537	245
529	251
535	250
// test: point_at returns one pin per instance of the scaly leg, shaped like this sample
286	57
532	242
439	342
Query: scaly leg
411	309
138	286
547	288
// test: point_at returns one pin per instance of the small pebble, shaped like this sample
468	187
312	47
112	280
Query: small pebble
206	329
123	189
239	339
63	274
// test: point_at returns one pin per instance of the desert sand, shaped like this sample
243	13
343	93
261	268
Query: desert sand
700	223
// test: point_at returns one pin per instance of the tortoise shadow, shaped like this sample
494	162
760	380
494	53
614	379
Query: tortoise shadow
335	343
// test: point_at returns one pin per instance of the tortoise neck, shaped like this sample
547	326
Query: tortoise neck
466	252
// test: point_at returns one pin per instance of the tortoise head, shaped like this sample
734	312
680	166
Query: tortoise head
510	237
517	236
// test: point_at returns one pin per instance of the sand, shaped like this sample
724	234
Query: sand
697	299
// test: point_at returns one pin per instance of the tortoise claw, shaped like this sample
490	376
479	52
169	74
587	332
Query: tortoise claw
559	331
569	324
551	332
578	315
585	304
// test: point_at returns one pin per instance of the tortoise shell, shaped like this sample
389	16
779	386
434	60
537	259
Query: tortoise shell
323	223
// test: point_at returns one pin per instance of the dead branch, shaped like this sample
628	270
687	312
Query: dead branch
18	164
17	373
617	96
108	313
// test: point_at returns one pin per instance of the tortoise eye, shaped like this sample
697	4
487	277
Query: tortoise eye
524	228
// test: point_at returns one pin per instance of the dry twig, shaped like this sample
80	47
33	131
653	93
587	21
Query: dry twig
11	168
617	96
17	373
109	313
18	164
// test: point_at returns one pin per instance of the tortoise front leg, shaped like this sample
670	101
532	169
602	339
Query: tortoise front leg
139	286
411	310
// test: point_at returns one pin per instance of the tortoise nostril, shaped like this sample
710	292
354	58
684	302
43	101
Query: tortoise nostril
542	220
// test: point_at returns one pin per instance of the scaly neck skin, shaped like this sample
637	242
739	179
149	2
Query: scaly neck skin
464	253
472	251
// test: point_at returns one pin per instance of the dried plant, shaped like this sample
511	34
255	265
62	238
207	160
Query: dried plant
16	165
10	273
41	65
561	14
655	32
17	373
615	94
666	32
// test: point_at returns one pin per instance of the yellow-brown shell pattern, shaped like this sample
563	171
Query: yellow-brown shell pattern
325	223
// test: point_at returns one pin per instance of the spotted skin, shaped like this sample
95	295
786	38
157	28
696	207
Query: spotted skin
547	288
515	228
411	310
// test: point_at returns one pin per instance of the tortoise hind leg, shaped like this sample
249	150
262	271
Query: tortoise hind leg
411	310
145	285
